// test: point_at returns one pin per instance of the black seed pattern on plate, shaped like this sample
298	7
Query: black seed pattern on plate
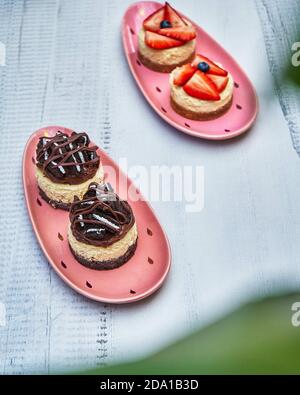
150	261
63	264
158	89
149	231
132	31
132	292
187	125
164	110
236	85
239	107
227	130
88	285
60	236
38	202
138	62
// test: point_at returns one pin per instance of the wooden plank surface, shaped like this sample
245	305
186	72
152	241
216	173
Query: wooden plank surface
280	24
65	66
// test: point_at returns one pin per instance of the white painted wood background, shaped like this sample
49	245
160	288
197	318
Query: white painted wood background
65	66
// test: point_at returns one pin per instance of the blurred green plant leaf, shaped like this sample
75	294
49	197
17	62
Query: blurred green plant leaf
257	339
293	75
292	72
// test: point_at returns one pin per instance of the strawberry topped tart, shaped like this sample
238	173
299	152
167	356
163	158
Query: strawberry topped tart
201	90
166	40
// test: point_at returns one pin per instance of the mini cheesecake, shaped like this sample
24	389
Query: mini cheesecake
102	233
66	165
201	90
166	40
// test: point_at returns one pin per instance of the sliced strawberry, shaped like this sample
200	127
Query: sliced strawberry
156	41
220	81
213	68
183	74
201	87
172	16
185	33
152	23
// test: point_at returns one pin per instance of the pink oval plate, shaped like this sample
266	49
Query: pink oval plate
155	86
143	274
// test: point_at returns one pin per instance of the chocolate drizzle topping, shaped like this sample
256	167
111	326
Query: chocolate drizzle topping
67	159
101	218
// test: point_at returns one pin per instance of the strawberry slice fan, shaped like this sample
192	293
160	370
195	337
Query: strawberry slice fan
166	29
202	79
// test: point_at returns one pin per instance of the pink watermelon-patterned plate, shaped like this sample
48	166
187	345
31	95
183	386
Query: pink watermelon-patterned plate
155	86
142	275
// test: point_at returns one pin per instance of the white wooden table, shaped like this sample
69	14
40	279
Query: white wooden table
65	66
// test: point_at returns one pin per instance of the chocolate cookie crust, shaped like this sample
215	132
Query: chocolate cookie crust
106	265
199	116
54	203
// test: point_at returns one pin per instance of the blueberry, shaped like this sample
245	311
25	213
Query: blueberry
203	66
165	24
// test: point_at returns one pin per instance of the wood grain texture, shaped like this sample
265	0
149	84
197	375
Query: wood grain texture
69	69
280	24
55	74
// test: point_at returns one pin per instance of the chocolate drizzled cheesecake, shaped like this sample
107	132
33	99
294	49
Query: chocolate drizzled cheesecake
102	233
66	165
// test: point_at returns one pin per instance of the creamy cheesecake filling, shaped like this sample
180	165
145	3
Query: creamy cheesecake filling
65	192
101	254
167	56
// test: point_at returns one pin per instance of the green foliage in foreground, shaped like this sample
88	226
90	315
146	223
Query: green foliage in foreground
293	75
258	338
